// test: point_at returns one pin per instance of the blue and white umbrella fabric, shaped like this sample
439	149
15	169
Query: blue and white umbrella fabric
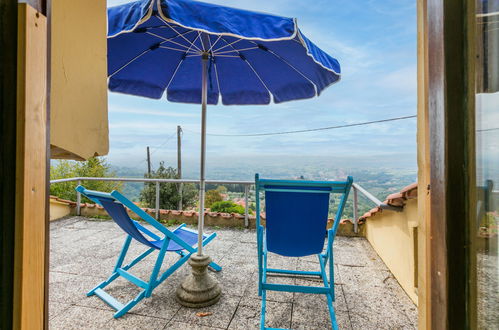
201	53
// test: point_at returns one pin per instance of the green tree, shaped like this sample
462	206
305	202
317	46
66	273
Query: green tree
222	189
227	207
168	192
94	167
212	196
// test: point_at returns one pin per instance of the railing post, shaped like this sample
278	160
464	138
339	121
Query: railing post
246	206
157	200
355	211
180	192
78	200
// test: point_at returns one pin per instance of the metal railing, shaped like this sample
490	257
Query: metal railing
247	185
356	188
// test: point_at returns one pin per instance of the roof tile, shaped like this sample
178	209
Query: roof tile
395	199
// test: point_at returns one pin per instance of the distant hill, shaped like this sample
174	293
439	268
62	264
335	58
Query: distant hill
130	189
378	176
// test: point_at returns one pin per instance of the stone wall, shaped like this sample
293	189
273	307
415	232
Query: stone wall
60	208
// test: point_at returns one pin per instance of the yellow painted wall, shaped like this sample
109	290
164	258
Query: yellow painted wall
58	209
78	90
391	234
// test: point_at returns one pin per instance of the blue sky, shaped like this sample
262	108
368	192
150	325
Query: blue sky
375	43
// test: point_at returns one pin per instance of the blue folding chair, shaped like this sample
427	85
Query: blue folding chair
182	241
296	220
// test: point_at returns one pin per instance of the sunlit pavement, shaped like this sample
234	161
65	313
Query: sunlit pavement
83	252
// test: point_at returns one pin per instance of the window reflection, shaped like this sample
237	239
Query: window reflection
487	163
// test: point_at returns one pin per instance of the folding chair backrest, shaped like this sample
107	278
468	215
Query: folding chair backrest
296	221
118	213
296	214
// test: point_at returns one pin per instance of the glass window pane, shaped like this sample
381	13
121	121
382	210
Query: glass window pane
487	163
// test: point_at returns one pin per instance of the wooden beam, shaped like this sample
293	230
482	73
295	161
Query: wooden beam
450	105
470	229
423	154
31	157
8	113
436	112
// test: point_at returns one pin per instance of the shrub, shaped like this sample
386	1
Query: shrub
227	207
169	195
94	167
212	196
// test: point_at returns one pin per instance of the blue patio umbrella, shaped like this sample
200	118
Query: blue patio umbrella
195	52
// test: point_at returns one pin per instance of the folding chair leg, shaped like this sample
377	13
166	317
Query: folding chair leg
325	280
215	267
212	266
123	252
264	306
130	304
103	284
154	280
157	266
334	323
119	263
330	282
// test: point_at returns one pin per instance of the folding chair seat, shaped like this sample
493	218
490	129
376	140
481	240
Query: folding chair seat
296	213
181	241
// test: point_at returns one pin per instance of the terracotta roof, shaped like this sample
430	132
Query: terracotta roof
396	199
342	221
62	200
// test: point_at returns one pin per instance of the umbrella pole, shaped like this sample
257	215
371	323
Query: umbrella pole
199	289
202	185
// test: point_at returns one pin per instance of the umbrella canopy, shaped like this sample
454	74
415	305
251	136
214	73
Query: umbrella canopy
203	53
255	58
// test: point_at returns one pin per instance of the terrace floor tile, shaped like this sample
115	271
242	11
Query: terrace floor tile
84	251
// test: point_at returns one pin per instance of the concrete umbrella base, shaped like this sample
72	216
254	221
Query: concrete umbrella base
199	289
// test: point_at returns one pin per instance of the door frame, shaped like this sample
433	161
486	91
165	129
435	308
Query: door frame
447	107
445	157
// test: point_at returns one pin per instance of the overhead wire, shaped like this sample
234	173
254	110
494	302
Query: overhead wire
164	142
136	166
313	129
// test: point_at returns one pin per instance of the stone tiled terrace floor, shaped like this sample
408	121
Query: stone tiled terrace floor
83	252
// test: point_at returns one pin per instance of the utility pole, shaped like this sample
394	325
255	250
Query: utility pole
148	162
179	164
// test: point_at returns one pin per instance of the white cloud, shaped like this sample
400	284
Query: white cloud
379	81
401	80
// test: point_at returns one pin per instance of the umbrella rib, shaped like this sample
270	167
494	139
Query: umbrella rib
179	50
203	46
174	73
235	50
216	41
180	34
261	80
218	82
144	52
170	39
254	71
291	66
215	65
178	65
233	56
228	44
129	62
